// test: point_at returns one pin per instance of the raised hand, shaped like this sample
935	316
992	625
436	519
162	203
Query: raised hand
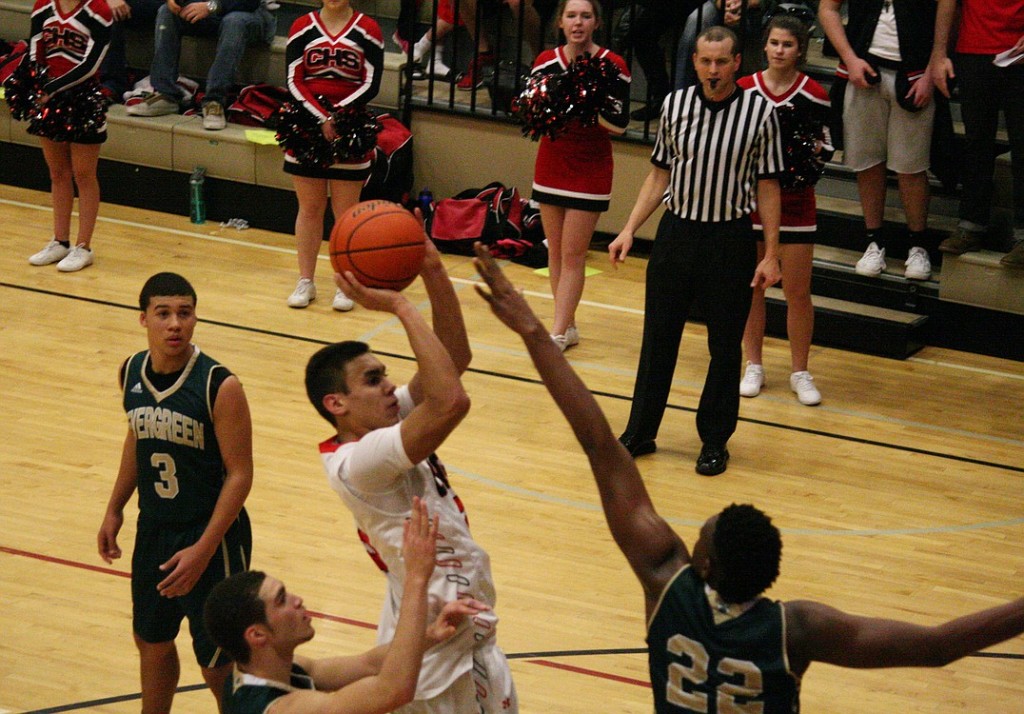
451	616
507	303
419	542
380	299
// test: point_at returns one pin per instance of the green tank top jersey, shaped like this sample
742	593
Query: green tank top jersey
246	694
736	663
178	458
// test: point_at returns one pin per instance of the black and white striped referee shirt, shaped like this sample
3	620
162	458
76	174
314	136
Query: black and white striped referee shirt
715	152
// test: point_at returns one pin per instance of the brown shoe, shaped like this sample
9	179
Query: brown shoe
1015	258
961	241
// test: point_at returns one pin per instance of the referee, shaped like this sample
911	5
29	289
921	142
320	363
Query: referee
716	157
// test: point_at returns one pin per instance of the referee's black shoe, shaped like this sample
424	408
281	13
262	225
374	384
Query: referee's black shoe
712	460
638	447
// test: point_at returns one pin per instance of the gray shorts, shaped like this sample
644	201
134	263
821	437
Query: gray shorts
876	129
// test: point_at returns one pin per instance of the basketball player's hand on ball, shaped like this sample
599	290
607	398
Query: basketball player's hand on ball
507	303
431	256
380	299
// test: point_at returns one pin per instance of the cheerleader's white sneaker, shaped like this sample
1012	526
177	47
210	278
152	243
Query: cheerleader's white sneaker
753	380
802	383
77	258
51	253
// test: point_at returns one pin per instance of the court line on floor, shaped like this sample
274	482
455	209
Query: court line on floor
547	296
538	658
534	380
546	497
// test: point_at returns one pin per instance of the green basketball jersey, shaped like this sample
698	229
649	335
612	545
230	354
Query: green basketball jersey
716	663
178	459
246	694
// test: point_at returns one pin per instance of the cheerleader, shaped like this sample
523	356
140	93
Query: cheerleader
335	57
573	172
802	107
69	39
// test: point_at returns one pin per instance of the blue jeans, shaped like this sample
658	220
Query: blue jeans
235	31
114	70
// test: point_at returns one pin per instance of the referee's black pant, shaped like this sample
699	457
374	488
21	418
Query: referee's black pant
712	264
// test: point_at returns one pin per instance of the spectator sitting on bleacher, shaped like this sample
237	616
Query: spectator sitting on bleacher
235	23
484	55
987	28
134	14
432	38
888	114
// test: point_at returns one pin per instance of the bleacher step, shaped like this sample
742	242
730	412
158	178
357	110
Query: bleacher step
979	279
853	326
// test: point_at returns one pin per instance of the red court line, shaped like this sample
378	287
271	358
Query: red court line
322	615
591	672
62	561
123	574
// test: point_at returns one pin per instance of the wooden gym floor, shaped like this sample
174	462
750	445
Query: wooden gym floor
900	496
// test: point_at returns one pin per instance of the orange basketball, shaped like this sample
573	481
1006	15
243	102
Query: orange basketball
381	243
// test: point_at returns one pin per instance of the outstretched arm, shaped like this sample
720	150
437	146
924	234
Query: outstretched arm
394	684
821	633
445	313
653	549
332	673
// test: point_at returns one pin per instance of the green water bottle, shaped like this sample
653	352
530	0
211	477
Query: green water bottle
196	203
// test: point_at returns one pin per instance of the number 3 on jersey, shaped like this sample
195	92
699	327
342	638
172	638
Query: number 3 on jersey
746	680
167	486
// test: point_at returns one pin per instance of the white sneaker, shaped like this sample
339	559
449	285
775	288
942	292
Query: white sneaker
77	258
918	265
872	263
560	341
342	302
213	116
753	380
51	253
155	105
440	69
420	49
304	293
803	384
572	336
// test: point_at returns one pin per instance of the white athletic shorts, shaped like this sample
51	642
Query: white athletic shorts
876	129
487	688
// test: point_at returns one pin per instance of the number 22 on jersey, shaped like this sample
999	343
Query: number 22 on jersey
732	696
